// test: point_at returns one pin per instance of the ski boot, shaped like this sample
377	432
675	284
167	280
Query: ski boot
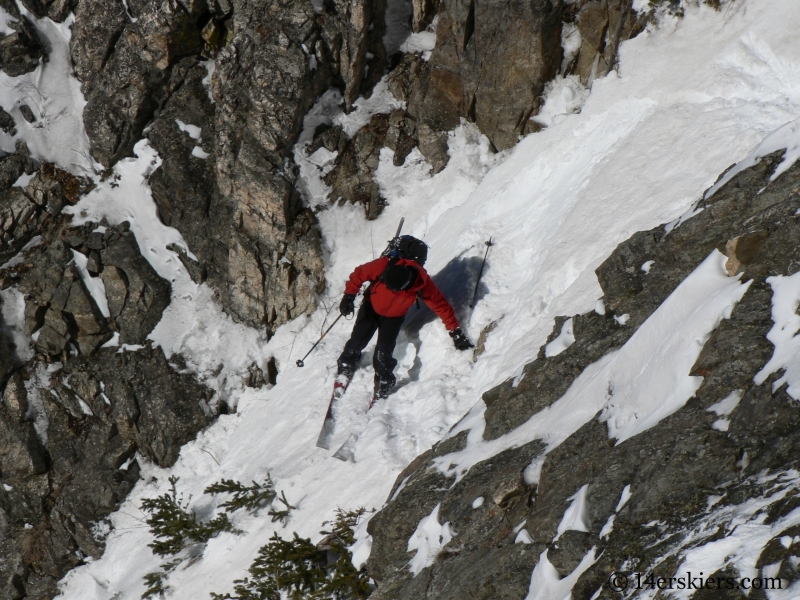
382	390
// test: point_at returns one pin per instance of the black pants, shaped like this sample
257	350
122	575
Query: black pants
367	322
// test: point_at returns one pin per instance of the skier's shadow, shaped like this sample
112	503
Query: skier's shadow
457	283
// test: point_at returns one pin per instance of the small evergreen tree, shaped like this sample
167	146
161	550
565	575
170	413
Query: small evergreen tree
175	526
252	497
297	569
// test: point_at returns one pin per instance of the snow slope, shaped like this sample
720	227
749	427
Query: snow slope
692	97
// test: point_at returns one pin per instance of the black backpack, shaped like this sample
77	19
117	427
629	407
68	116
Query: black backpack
401	277
409	247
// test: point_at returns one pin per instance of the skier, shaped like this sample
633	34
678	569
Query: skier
396	282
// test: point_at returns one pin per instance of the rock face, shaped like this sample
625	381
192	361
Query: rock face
61	306
22	51
229	187
68	455
597	27
489	66
352	179
674	469
73	416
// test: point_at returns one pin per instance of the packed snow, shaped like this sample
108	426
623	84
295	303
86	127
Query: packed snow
692	97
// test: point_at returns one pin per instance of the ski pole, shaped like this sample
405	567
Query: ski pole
480	273
300	362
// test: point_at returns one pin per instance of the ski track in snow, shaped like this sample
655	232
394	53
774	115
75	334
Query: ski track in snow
691	98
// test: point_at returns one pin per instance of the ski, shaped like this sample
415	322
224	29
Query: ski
329	425
346	453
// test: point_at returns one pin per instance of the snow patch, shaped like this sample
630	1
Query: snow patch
193	131
362	547
547	584
570	42
94	285
636	386
624	497
564	340
13	311
563	96
576	517
608	528
783	335
523	537
428	540
622	319
785	138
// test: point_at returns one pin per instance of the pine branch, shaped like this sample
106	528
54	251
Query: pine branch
252	497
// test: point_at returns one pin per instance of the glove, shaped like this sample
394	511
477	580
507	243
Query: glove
460	340
347	305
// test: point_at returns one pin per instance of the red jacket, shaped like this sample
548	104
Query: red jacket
396	304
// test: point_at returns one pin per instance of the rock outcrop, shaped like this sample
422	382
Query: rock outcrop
675	471
22	51
229	190
72	308
352	179
490	65
597	27
69	441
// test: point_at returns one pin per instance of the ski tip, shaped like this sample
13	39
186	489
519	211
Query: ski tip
344	457
346	452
